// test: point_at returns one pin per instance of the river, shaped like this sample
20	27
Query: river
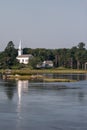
28	105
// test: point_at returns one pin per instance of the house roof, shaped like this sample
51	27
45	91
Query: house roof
48	62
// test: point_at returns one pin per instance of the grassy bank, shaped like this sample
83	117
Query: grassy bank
47	71
51	71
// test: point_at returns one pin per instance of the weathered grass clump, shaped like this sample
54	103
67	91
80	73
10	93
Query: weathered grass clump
58	80
25	77
38	78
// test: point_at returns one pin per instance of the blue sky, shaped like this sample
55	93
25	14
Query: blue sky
43	23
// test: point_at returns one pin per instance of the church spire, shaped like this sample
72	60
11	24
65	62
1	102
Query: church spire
20	49
20	45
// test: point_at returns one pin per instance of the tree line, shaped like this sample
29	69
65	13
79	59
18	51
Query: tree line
74	58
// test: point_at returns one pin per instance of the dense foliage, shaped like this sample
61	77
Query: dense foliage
74	58
8	56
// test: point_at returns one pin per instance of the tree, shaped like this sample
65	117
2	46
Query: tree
34	61
81	45
8	56
9	45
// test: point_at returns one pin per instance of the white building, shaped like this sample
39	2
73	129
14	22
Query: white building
21	57
47	63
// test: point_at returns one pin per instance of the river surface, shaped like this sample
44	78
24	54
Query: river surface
28	105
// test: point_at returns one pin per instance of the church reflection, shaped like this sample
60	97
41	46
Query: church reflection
22	86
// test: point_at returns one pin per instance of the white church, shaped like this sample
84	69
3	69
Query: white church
23	58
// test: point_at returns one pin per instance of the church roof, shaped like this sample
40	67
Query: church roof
24	56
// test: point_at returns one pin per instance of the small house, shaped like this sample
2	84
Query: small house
47	64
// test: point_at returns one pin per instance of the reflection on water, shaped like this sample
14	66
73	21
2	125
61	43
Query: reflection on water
9	89
68	76
28	105
22	86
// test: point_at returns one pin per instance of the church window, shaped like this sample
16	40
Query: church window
23	60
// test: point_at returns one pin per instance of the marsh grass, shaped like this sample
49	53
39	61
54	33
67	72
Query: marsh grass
51	71
58	80
35	74
38	78
42	71
25	77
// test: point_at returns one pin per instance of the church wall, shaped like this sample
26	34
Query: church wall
23	60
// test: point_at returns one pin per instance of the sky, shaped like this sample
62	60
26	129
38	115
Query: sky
43	23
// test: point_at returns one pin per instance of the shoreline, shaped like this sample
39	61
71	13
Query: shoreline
37	75
42	71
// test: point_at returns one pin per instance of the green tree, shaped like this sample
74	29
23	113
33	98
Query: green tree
8	56
81	45
34	61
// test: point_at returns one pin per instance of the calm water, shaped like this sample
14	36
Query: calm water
43	106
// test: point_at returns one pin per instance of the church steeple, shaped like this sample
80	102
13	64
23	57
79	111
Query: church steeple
20	52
